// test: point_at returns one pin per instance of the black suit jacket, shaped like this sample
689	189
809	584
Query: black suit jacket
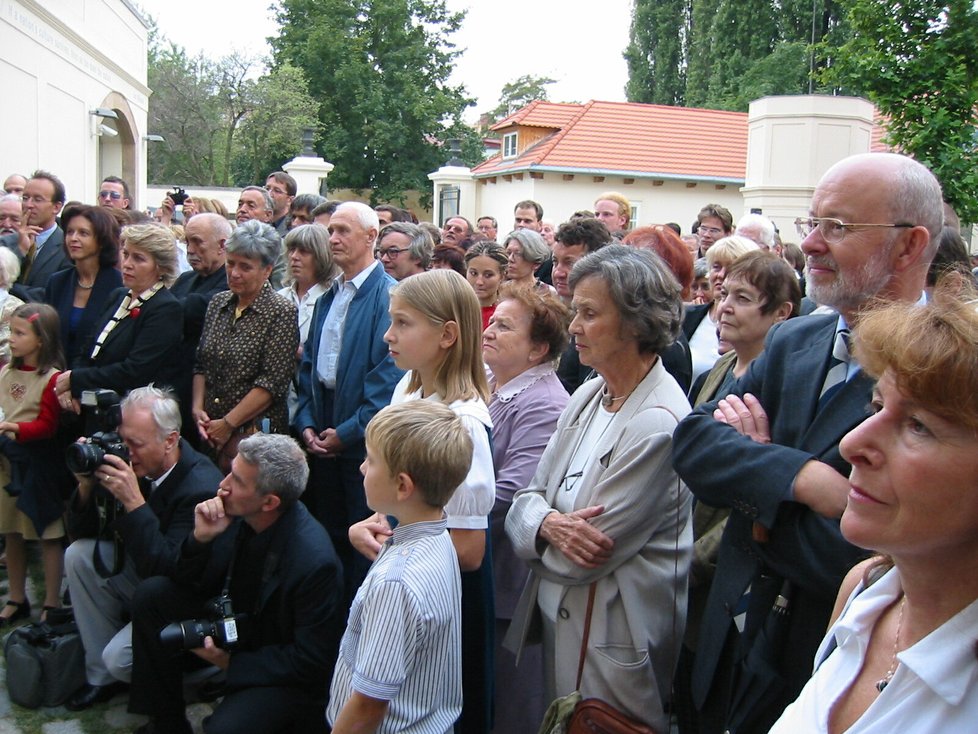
47	262
725	469
299	619
153	533
60	293
138	350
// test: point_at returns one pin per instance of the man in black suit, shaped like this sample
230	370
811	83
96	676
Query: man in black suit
257	544
157	492
770	451
41	239
207	235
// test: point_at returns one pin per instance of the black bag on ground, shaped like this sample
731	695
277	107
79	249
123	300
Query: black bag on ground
45	663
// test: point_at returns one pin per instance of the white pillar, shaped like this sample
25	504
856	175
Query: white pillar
309	173
462	179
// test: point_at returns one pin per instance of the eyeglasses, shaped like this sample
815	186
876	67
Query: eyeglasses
834	230
114	195
569	481
709	230
390	252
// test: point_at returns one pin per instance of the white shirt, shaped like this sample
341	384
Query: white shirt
704	346
331	339
305	305
472	502
934	688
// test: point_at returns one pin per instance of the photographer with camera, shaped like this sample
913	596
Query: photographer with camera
276	624
138	484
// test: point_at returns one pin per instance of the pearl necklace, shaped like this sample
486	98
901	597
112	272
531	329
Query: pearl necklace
885	680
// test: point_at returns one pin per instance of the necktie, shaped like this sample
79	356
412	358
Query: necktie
838	368
28	262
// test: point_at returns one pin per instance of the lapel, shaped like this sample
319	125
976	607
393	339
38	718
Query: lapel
158	499
284	529
844	411
801	385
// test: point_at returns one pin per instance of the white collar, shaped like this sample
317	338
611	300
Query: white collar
521	382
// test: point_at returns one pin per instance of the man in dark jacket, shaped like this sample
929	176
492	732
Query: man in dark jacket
155	496
273	565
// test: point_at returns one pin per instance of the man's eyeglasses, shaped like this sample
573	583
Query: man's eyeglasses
709	230
389	252
834	230
114	195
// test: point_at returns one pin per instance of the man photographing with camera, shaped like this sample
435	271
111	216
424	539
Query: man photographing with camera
135	513
277	615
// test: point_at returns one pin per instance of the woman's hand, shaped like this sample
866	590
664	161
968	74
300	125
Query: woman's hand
219	432
572	534
9	427
368	536
202	420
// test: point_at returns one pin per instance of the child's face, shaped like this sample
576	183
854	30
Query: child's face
378	484
23	341
415	343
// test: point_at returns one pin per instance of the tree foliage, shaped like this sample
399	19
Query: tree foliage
916	62
379	70
224	124
724	53
519	93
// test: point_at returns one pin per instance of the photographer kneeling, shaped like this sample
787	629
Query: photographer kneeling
277	620
148	505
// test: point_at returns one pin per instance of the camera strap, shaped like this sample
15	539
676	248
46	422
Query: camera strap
105	533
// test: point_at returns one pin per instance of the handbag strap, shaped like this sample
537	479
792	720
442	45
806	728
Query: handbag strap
587	632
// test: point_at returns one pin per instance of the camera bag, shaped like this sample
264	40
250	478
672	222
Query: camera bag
45	663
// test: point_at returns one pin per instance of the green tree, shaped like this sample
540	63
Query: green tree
915	61
519	93
699	58
186	111
271	133
379	70
656	52
742	32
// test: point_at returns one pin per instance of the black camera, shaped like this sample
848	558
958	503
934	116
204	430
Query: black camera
103	414
178	195
222	626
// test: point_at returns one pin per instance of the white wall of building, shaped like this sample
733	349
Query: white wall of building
60	59
672	201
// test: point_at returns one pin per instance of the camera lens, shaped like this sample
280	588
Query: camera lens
83	458
186	635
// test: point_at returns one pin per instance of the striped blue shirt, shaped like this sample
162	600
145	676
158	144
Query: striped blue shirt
403	640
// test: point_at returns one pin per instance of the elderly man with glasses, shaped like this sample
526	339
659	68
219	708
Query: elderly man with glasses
769	451
404	249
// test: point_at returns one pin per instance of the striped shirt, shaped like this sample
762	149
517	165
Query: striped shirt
403	640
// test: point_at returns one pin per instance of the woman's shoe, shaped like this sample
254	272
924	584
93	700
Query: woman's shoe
22	610
44	612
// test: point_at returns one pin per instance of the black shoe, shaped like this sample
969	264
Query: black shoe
89	695
22	610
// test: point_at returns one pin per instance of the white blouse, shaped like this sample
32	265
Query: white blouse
934	688
472	502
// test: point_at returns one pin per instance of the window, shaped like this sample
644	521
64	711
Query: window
509	145
633	217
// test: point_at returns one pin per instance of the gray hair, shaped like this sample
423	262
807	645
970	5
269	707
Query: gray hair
12	197
256	240
281	463
307	202
700	268
161	402
314	239
421	245
643	288
365	215
219	227
156	241
918	200
269	204
9	267
532	244
764	226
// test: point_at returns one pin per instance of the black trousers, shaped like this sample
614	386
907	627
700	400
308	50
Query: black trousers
157	674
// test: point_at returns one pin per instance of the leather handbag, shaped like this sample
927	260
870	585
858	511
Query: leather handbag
572	714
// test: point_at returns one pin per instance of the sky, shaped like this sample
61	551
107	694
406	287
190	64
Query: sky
501	39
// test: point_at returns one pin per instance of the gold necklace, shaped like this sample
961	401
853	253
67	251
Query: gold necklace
885	680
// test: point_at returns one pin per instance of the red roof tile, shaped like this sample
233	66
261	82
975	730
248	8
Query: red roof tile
630	138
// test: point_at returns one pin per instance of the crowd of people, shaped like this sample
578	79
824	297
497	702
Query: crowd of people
337	469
